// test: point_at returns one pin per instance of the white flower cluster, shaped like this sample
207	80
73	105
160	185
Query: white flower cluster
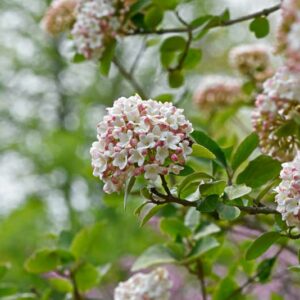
94	24
252	60
217	91
60	16
288	192
289	33
152	286
140	137
274	108
285	84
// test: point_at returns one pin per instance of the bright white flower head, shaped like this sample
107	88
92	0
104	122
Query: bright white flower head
139	137
252	60
152	286
274	108
217	91
288	192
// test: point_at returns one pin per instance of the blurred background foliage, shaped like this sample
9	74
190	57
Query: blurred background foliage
49	108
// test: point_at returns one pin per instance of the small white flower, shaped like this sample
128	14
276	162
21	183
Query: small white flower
109	187
146	141
137	157
120	159
161	154
176	169
125	138
171	140
152	171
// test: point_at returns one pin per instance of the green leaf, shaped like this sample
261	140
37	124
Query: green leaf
7	290
129	185
139	209
248	145
84	240
86	277
203	139
61	284
138	6
262	244
226	289
153	211
212	188
201	247
228	212
155	255
190	179
167	4
259	171
176	79
187	170
206	229
289	128
192	59
153	17
173	43
3	269
174	228
42	261
107	57
164	97
248	87
295	268
209	204
202	152
260	27
264	269
237	191
23	296
200	21
191	219
78	58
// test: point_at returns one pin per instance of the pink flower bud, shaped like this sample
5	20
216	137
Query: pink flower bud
174	157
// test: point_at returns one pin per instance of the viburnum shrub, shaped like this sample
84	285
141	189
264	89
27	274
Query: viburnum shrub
207	186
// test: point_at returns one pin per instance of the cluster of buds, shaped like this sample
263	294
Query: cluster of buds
288	35
252	61
276	108
217	91
60	16
152	286
98	22
288	192
139	137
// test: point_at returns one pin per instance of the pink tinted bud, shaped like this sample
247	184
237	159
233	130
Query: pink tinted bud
178	151
160	143
133	142
145	152
174	157
164	171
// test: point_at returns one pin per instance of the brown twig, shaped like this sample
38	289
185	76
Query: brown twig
265	12
129	77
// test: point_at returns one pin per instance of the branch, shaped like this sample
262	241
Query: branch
169	198
265	12
128	76
254	210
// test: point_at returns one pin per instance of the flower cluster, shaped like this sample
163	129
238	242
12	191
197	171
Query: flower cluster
217	91
252	60
275	108
288	192
139	137
60	16
152	286
98	22
288	35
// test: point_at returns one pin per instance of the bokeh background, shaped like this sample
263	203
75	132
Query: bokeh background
49	108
